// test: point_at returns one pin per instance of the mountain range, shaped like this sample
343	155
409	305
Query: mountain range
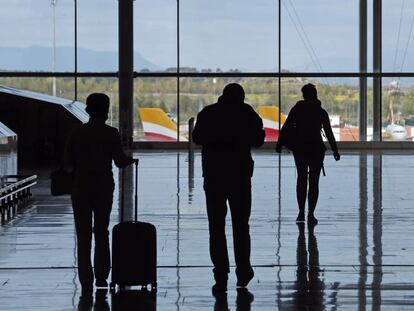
39	58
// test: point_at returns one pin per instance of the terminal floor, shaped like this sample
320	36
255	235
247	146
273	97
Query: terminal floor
359	258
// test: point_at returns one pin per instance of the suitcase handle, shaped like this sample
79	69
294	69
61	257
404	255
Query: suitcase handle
136	192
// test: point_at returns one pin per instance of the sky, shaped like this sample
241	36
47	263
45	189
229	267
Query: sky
317	35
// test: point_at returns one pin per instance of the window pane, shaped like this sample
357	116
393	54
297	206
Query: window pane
397	109
155	109
228	35
261	94
27	35
339	97
320	35
155	33
65	87
97	35
397	36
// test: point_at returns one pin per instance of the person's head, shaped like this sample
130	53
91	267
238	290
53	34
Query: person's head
233	93
97	105
309	92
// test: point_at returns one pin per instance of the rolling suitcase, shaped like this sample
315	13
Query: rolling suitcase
134	249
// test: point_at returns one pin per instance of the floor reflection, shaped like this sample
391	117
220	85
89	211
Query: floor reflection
244	301
377	232
128	300
309	287
100	303
362	232
356	258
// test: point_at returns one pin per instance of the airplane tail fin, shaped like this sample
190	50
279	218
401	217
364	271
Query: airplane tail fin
270	116
157	125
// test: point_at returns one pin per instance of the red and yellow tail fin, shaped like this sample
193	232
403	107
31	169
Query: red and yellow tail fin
270	116
157	125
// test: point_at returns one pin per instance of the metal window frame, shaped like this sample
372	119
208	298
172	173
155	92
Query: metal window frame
137	74
376	74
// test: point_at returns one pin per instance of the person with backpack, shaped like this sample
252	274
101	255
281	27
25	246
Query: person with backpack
301	133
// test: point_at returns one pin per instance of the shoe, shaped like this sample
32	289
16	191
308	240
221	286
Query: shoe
220	288
301	217
101	283
312	220
243	280
244	298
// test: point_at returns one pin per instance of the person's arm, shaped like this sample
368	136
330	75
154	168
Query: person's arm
258	135
326	124
282	134
120	158
68	160
199	135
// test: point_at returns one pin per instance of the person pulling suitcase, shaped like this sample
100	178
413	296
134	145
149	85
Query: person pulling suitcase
89	152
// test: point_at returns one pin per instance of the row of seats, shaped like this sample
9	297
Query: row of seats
15	191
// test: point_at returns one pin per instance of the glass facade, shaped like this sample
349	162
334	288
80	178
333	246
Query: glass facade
186	51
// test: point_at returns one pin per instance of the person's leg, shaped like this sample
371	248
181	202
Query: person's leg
216	212
102	206
83	222
240	207
315	167
301	163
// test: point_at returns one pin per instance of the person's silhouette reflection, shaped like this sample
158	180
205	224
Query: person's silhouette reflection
101	301
301	133
309	289
227	130
86	303
244	300
132	300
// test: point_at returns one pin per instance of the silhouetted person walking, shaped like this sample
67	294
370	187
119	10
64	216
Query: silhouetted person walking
301	133
89	152
227	130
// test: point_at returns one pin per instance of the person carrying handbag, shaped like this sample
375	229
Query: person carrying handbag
301	133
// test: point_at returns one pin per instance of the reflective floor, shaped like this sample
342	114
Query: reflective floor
359	256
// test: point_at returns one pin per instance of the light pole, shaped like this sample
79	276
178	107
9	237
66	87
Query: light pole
53	3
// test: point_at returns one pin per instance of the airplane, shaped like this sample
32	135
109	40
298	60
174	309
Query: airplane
161	126
393	131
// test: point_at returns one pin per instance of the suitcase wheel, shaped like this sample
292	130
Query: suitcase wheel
112	287
154	287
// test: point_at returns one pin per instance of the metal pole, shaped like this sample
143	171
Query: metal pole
126	71
54	2
190	141
377	58
363	46
178	71
280	64
126	94
76	50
